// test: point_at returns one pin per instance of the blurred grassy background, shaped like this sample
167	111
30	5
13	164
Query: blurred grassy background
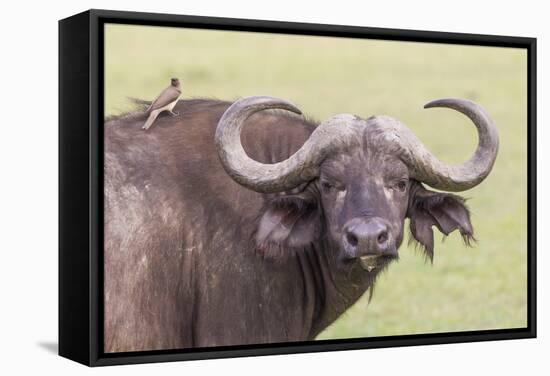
466	289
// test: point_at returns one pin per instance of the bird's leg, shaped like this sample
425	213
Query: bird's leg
174	113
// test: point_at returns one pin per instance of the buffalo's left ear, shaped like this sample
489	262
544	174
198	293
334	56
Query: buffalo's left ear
444	210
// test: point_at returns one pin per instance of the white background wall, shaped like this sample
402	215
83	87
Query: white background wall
28	185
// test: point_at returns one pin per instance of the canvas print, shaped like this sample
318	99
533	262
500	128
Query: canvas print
268	188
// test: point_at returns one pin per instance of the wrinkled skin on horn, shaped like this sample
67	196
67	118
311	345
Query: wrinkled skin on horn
427	168
339	133
329	138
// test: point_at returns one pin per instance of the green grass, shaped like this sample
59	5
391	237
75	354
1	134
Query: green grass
483	287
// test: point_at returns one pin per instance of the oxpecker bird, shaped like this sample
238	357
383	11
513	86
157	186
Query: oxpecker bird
166	101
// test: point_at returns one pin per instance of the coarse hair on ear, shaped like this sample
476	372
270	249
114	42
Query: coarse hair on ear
287	224
448	212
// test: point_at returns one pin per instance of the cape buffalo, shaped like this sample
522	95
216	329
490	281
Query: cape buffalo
245	223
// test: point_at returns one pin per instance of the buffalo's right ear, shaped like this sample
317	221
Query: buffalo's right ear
446	211
288	223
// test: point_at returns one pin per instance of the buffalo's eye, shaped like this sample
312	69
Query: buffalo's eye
329	186
402	185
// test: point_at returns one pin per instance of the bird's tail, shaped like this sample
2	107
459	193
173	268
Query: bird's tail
150	120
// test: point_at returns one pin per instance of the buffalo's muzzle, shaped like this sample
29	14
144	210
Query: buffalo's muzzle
367	237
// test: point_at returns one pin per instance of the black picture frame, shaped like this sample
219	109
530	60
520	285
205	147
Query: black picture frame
81	185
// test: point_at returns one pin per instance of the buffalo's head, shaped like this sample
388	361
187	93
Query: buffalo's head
354	181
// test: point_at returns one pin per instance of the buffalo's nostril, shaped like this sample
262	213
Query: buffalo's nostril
382	237
352	239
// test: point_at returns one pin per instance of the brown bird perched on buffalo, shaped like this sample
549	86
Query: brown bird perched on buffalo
166	101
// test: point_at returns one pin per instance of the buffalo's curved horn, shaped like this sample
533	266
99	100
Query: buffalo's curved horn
428	169
330	136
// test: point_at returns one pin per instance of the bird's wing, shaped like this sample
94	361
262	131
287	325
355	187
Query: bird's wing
167	96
